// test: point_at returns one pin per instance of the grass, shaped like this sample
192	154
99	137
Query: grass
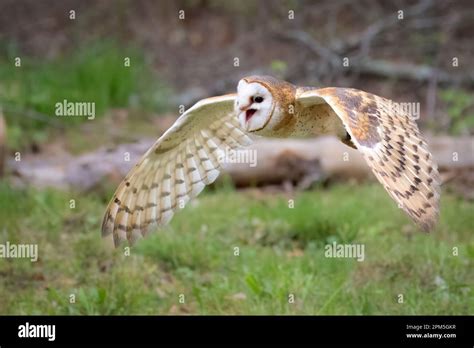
96	73
460	108
280	252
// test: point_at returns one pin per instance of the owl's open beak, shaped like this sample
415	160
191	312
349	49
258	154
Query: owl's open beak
249	113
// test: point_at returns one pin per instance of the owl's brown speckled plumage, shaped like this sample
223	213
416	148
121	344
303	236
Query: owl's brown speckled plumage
394	149
187	157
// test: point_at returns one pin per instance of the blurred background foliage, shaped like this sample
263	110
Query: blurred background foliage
176	61
459	107
97	72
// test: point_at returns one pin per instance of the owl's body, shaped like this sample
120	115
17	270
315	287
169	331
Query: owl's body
187	157
310	121
296	120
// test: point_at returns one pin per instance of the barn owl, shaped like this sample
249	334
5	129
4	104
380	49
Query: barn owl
187	156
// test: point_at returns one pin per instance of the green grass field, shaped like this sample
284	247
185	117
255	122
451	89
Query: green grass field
281	252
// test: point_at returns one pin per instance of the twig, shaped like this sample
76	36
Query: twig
389	21
408	71
306	39
383	68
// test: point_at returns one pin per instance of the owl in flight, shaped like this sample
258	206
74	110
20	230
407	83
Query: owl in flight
187	156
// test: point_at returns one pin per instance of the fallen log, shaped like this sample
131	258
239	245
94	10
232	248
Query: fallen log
274	161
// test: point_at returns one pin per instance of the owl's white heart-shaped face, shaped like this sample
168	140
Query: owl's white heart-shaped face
254	105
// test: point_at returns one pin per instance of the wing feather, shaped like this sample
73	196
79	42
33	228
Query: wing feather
391	143
175	169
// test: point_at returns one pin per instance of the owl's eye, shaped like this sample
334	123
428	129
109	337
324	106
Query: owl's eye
258	99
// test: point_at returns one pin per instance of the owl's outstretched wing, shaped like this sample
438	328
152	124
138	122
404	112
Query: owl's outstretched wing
391	144
175	169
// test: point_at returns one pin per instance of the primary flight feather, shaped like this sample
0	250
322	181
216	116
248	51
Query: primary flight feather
187	156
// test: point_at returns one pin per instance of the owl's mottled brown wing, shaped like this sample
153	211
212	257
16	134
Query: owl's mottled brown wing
175	169
391	143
